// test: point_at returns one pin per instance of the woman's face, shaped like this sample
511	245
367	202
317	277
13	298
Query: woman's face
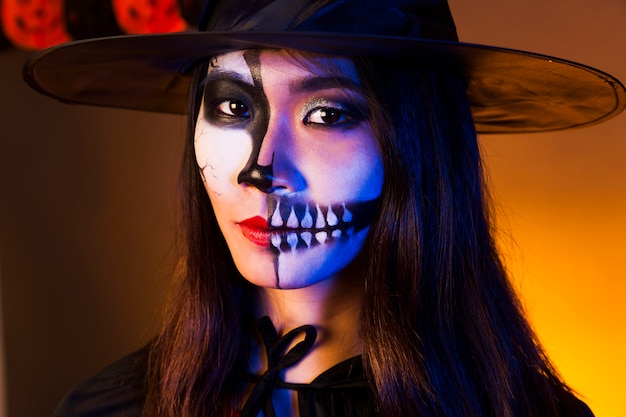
290	163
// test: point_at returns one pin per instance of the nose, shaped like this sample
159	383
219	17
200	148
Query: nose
259	176
270	167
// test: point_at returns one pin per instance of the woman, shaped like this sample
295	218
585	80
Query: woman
336	251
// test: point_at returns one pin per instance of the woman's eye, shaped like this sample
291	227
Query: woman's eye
327	116
233	108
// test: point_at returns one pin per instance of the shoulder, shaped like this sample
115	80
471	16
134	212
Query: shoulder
116	391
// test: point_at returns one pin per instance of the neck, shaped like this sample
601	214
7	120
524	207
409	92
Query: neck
333	307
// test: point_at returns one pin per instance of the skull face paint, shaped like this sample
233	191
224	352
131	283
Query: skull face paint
290	163
302	225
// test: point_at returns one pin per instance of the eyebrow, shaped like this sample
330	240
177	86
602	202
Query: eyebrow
316	83
305	85
223	74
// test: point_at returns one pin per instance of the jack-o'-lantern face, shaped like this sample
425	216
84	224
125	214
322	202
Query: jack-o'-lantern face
34	24
148	16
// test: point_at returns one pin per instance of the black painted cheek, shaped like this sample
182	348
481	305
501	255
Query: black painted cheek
259	176
253	173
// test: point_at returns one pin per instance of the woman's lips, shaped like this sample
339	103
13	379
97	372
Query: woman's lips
256	230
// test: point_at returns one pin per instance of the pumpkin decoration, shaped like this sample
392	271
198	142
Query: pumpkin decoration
34	24
90	19
148	16
192	10
4	42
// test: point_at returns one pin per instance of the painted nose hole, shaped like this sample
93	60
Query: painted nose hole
258	176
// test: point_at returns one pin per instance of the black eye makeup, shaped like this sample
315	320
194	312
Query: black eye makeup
228	101
321	112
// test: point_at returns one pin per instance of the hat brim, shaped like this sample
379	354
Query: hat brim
509	90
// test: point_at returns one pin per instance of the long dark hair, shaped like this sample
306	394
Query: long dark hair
442	330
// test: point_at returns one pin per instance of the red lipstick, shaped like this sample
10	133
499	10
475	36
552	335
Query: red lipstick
256	230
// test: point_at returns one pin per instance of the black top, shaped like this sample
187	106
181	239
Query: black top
119	391
341	391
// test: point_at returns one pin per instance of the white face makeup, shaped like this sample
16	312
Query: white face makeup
290	163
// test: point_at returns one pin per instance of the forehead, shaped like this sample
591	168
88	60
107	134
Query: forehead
291	63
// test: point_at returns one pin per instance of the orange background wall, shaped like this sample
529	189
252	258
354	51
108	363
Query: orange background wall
562	196
85	218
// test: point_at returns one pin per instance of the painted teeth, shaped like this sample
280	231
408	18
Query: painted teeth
307	220
311	226
292	240
347	214
307	237
331	217
301	217
321	236
319	222
275	239
276	220
292	221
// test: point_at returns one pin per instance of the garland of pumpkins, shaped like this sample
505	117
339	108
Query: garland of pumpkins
38	24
